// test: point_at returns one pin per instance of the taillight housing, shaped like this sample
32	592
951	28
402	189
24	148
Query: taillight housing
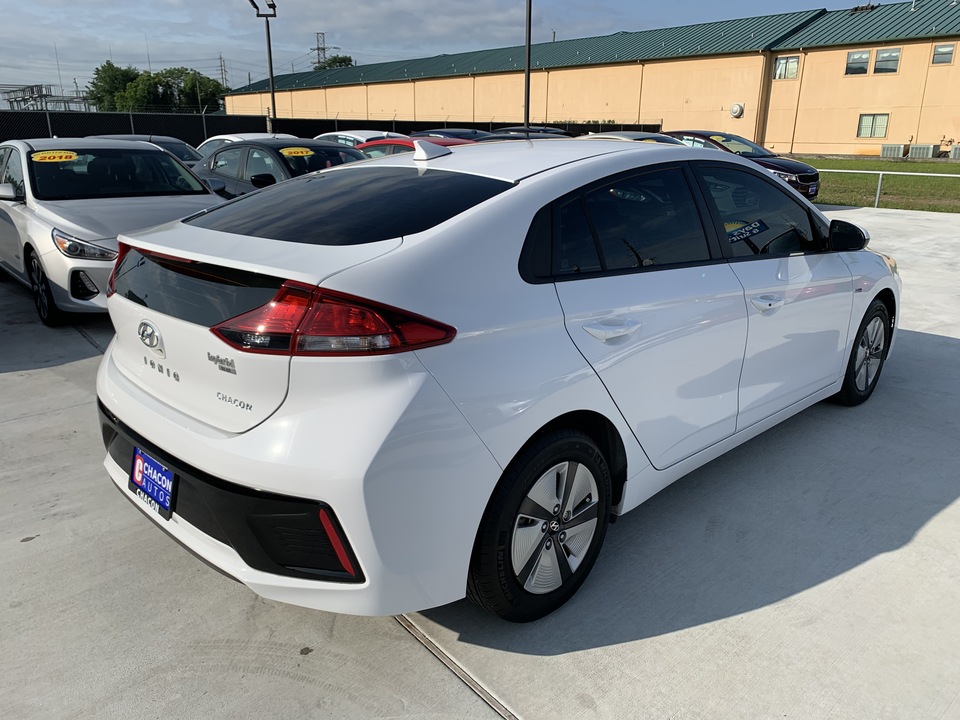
122	250
305	320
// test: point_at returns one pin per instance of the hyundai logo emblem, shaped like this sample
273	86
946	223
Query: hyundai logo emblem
150	336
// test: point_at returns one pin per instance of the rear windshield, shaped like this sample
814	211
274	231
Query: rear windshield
352	206
132	171
181	151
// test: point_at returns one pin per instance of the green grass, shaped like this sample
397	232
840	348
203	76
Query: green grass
899	192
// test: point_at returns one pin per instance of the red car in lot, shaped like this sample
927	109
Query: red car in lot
394	146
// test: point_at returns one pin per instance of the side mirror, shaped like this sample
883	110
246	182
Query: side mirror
262	180
215	185
847	237
9	192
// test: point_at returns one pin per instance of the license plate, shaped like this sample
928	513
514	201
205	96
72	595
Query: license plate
813	189
152	482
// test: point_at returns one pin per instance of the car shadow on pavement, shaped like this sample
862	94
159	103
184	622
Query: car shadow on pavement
800	505
25	344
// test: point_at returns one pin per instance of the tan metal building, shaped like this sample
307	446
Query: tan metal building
840	82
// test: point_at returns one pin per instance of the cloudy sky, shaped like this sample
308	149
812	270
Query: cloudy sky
61	42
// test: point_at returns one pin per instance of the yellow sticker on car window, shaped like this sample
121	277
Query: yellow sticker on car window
718	138
296	151
54	156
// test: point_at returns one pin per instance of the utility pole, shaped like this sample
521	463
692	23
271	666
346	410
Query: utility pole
223	71
322	48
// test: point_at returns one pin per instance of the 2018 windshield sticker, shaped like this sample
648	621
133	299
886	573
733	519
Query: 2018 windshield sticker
296	151
739	230
54	156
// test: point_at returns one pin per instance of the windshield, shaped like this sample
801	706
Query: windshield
67	174
300	160
741	146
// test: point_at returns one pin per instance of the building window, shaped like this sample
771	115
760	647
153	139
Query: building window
786	68
943	54
857	62
888	61
873	126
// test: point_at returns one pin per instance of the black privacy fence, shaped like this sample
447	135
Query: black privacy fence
194	129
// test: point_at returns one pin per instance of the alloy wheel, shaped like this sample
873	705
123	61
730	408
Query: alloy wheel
555	527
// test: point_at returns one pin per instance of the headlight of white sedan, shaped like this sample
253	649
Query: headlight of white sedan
76	248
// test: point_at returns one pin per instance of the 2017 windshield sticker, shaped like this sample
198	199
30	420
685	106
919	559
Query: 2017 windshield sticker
739	230
296	151
54	156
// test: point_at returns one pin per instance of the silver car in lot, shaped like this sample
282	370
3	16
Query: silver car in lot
64	200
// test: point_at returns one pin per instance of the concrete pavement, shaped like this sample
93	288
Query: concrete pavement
812	573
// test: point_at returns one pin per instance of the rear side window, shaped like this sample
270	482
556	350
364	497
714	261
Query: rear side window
354	206
646	220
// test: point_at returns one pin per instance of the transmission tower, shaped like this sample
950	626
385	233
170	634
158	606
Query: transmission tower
322	48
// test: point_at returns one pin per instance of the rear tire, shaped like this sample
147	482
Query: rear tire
867	357
543	528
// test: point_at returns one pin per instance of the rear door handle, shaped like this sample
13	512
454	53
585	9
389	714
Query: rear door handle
765	303
609	330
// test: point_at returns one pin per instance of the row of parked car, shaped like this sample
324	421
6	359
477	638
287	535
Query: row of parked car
64	201
381	386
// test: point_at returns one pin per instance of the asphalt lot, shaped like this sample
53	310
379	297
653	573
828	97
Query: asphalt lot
812	573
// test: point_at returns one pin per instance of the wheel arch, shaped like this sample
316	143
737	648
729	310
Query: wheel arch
889	301
602	432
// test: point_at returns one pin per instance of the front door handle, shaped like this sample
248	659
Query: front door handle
610	329
765	303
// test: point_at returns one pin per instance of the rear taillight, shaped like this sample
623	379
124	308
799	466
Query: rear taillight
122	251
305	320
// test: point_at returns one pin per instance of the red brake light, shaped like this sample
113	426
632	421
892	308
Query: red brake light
122	251
304	320
269	328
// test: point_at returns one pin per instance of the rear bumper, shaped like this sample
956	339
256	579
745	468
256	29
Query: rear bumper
273	533
404	477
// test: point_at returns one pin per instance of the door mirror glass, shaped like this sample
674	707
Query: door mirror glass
846	237
215	184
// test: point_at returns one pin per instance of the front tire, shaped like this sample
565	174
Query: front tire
50	314
867	357
543	528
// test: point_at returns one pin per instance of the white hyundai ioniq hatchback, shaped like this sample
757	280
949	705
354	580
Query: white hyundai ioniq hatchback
385	386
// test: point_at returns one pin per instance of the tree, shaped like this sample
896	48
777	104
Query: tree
150	92
335	61
177	89
108	81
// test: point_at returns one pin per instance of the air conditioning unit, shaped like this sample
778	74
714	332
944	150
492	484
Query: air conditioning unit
955	152
924	151
894	151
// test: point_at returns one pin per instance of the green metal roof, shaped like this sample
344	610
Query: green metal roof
924	19
717	38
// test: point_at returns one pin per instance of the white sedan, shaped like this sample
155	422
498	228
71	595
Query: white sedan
385	386
63	201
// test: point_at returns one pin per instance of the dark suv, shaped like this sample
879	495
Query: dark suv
800	176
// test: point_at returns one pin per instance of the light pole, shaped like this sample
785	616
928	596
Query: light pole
272	6
526	73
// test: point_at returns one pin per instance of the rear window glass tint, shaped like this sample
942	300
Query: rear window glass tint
352	206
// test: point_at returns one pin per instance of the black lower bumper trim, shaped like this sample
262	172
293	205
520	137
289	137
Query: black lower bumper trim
273	533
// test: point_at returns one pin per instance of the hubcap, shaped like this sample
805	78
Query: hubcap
555	527
869	354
